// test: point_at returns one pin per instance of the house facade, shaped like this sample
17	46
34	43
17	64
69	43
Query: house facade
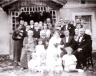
85	10
71	9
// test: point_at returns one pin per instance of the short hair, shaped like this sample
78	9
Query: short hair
83	29
79	23
66	30
68	48
35	23
33	54
30	31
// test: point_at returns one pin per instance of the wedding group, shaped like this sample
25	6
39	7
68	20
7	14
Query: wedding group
42	47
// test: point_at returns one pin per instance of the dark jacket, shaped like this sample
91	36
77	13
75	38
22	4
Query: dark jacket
85	44
71	29
71	42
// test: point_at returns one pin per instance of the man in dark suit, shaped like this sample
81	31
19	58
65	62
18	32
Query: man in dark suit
83	48
67	41
69	27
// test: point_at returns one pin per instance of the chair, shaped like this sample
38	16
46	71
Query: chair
89	60
89	57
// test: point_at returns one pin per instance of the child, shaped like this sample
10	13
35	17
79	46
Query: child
69	61
33	64
56	65
43	69
40	47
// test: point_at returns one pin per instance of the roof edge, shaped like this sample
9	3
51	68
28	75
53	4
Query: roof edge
8	3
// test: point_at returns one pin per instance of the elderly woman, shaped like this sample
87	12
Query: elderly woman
29	44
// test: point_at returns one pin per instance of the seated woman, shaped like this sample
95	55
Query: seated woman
28	48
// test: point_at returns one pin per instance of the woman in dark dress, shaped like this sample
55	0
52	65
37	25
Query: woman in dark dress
18	36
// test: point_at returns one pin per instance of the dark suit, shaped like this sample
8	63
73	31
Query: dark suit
86	47
71	43
71	29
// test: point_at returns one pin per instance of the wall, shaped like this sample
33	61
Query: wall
4	33
69	11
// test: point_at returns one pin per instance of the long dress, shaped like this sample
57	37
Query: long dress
18	44
27	50
52	49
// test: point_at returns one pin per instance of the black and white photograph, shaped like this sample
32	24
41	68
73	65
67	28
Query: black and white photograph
47	37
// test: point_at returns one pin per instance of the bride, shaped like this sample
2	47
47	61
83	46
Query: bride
53	47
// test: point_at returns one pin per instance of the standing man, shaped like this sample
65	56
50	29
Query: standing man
69	27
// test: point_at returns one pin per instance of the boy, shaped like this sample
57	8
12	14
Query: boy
69	61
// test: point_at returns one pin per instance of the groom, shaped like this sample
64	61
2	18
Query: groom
66	42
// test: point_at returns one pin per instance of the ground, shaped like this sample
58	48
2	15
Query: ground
7	70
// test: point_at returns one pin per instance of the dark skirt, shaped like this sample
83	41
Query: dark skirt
17	50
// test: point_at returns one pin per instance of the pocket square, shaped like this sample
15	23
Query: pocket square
69	27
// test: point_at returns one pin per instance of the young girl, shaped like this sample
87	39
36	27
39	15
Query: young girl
43	69
69	61
56	65
34	63
40	47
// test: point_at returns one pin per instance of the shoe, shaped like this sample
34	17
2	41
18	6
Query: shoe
84	68
80	71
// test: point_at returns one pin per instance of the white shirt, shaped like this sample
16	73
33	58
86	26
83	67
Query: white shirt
69	59
80	39
32	26
66	27
40	49
67	39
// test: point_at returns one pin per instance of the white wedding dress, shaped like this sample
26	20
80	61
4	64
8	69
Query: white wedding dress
52	49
